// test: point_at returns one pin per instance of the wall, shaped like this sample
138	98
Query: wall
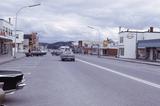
26	45
20	37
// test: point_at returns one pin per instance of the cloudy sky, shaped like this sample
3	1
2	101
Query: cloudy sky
61	20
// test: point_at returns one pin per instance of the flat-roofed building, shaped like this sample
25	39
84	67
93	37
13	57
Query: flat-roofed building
139	44
31	42
6	37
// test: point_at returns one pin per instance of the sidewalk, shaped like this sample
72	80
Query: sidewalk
133	60
6	58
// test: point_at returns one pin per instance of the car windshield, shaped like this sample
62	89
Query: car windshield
80	53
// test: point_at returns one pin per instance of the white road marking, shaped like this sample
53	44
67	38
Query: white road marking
27	73
122	74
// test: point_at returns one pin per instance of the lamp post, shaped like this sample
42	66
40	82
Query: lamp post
15	29
98	39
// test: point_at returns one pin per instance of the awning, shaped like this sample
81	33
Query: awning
6	38
149	43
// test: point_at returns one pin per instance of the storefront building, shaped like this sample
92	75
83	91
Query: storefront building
149	50
6	37
138	44
31	42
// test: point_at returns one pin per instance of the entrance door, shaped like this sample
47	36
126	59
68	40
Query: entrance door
158	54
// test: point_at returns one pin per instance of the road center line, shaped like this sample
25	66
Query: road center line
122	74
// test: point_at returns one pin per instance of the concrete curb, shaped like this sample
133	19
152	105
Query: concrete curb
132	61
13	59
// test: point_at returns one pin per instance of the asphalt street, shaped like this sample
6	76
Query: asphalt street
89	81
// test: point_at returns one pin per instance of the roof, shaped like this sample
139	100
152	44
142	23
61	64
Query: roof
138	32
149	43
6	21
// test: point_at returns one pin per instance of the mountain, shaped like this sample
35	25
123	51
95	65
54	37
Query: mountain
58	44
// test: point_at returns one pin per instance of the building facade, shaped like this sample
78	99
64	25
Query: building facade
6	37
149	49
130	41
106	47
19	41
90	47
31	42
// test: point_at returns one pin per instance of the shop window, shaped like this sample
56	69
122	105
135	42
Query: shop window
121	51
121	39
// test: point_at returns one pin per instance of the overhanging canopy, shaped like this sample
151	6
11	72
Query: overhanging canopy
6	38
149	43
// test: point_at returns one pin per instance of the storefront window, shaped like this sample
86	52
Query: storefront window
121	39
121	51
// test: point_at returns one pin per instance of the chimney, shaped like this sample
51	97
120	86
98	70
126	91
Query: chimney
120	29
10	20
151	29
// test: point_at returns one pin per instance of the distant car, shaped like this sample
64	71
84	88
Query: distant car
12	81
36	53
67	55
64	48
28	54
56	53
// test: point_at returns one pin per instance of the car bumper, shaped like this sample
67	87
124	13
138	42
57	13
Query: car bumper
20	86
67	57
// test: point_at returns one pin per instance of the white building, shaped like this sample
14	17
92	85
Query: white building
128	42
6	38
19	41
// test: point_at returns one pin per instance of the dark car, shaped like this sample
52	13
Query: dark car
56	53
12	81
35	53
38	53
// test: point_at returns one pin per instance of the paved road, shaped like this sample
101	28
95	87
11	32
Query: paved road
90	81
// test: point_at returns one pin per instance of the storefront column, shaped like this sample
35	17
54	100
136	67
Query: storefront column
151	54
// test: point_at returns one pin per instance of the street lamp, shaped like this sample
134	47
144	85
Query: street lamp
15	29
98	39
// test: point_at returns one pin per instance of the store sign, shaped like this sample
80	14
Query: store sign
130	36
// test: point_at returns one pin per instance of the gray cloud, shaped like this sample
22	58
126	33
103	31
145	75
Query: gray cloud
57	20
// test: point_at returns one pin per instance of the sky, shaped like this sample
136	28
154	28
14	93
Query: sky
63	20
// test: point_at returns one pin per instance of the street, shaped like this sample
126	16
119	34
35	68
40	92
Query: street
89	81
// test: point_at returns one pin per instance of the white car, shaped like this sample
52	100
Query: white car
67	55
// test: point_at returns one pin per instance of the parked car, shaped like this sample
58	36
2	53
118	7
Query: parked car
38	53
67	55
56	52
35	53
12	80
28	54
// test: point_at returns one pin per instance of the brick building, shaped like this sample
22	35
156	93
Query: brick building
31	41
